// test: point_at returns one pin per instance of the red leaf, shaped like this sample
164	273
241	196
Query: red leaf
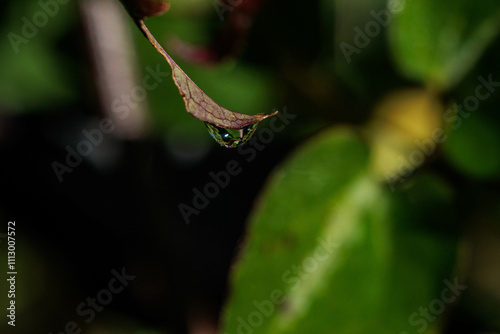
141	9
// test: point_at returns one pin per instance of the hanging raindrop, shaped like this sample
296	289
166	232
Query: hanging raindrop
231	138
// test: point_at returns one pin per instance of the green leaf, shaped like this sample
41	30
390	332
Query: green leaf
345	254
473	146
33	78
34	74
438	42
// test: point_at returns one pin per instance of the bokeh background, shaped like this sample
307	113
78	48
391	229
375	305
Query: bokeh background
391	153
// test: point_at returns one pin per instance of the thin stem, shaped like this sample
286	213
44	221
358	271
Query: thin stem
144	29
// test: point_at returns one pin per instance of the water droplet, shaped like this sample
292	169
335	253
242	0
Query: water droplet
231	138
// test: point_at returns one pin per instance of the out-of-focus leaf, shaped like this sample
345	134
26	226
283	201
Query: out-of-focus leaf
230	39
438	42
345	255
141	9
33	74
403	132
33	78
473	146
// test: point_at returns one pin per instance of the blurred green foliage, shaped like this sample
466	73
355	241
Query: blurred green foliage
396	251
437	43
342	248
34	75
391	243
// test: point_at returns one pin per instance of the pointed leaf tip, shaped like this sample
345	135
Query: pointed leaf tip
201	106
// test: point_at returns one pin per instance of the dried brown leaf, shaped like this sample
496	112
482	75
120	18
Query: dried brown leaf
198	104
